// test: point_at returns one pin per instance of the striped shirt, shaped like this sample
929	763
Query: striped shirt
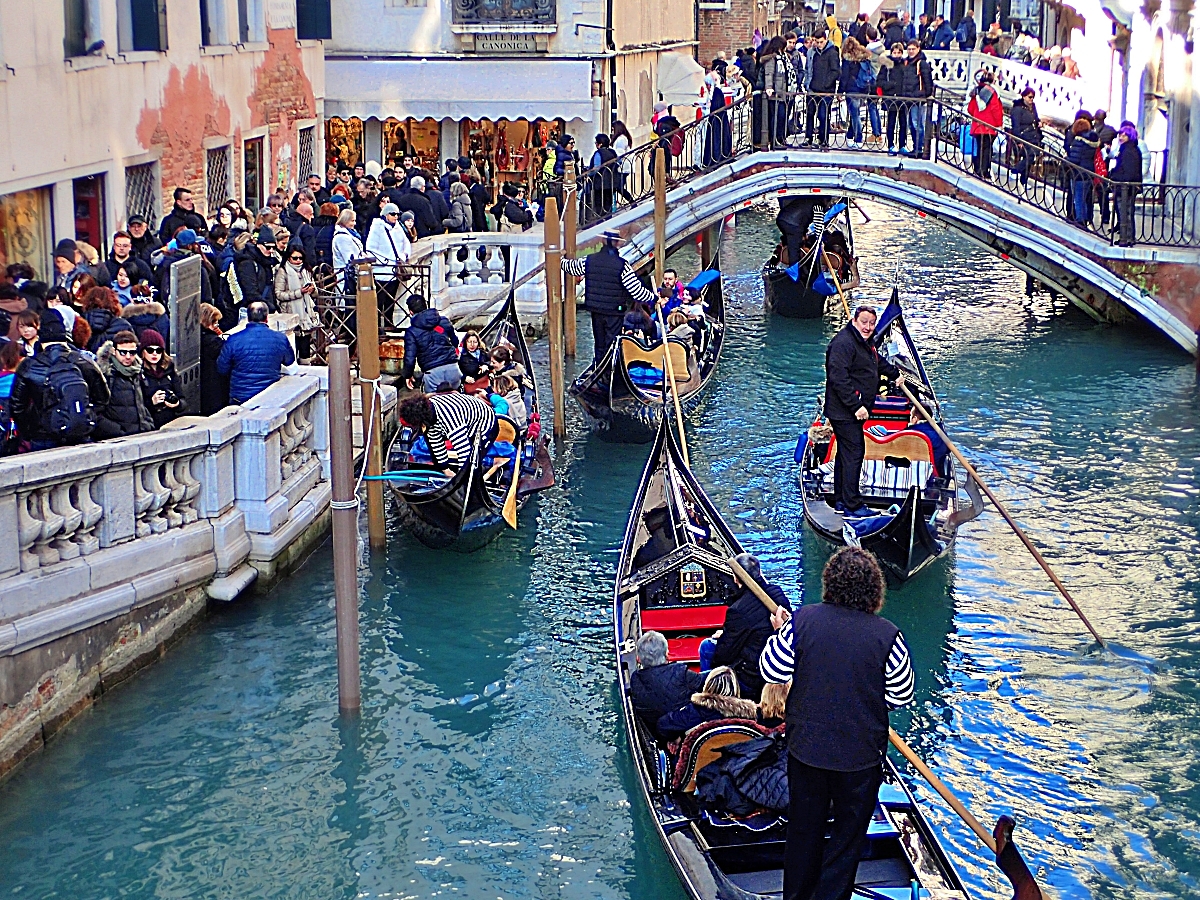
778	661
629	280
458	420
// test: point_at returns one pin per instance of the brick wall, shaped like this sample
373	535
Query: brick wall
729	29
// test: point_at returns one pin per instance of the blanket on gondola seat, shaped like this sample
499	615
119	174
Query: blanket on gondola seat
749	777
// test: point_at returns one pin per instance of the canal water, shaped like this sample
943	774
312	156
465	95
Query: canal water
490	759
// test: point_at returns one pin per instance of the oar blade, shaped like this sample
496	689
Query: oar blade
510	501
1012	864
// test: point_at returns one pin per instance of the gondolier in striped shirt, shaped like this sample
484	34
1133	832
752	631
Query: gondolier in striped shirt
611	289
451	424
848	667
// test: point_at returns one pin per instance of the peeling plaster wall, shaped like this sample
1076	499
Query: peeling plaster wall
63	119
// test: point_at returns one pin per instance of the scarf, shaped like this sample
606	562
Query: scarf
164	361
131	370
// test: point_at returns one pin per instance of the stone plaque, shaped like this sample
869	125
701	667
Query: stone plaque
505	43
185	327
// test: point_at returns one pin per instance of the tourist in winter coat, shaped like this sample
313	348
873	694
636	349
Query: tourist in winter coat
127	411
720	699
12	303
214	387
186	244
659	686
473	359
254	357
857	80
1127	175
1027	127
149	314
430	342
254	267
324	224
160	381
460	218
967	32
916	85
182	215
1081	144
347	245
30	399
826	72
102	311
480	198
296	294
747	627
987	118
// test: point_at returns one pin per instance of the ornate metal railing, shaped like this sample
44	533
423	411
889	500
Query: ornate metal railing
336	306
929	128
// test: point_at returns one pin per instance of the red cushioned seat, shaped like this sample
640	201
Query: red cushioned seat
684	649
683	618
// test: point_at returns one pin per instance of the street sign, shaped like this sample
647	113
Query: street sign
185	327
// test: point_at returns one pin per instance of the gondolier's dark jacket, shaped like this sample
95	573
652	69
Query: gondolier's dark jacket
852	370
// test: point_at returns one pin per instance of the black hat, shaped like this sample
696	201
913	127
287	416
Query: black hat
65	249
266	237
52	329
137	220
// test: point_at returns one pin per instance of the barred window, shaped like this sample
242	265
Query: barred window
141	198
217	184
307	153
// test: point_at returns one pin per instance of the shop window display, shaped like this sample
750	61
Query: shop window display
344	141
508	151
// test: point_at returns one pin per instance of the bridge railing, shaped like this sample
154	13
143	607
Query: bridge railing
1058	97
927	128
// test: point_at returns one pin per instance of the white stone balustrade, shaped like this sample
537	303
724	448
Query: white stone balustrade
1058	98
93	532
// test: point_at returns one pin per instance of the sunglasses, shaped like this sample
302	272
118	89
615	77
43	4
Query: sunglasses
151	351
121	352
296	258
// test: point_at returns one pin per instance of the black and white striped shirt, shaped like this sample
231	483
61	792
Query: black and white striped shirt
458	419
629	279
778	661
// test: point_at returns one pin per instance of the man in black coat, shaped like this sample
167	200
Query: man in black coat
182	215
417	202
852	369
747	629
658	686
143	239
480	198
826	75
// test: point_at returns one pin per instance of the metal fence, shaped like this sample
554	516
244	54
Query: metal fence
307	142
336	301
928	128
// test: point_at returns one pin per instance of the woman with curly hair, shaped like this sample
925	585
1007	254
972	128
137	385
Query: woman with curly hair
848	667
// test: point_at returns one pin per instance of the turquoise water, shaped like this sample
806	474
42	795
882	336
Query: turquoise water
489	761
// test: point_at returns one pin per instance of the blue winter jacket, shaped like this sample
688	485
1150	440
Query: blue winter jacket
252	358
430	341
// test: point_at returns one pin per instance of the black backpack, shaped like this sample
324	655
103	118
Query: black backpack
67	411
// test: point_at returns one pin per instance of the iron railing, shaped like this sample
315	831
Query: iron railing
928	128
336	302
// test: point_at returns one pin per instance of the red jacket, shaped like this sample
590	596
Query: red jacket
988	119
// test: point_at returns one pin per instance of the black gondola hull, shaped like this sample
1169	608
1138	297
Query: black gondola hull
791	299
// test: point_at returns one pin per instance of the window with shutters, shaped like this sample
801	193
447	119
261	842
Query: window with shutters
313	20
141	25
81	26
141	194
252	22
217	188
213	32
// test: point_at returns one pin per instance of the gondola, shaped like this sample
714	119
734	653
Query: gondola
466	512
673	577
622	394
800	289
920	497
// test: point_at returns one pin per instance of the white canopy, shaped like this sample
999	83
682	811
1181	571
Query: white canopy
680	79
458	88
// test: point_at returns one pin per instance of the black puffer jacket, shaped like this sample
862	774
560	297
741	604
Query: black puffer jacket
749	777
852	370
214	387
659	690
430	342
747	628
256	276
915	77
105	326
141	316
826	70
126	412
168	381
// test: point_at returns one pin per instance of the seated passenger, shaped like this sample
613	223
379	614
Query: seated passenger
506	386
502	363
678	326
772	708
720	699
658	686
473	360
452	424
672	293
940	451
637	323
747	628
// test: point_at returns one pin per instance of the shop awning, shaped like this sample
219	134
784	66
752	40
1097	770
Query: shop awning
680	79
459	88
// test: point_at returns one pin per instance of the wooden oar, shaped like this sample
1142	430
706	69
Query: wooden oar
1041	560
670	372
1008	858
837	284
510	501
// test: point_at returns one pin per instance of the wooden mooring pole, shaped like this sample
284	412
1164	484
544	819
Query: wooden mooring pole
660	215
570	248
345	529
554	315
367	308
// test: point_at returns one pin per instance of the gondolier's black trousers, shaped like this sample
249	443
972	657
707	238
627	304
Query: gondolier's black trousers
605	328
815	868
847	469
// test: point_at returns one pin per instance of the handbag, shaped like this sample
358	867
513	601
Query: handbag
966	140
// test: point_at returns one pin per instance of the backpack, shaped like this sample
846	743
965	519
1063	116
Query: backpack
67	411
8	428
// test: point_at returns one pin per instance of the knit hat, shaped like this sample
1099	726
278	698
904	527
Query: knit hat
65	249
408	216
52	328
151	338
266	237
186	238
464	162
390	209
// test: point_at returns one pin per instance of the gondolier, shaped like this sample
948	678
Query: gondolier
852	369
451	424
609	292
848	667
